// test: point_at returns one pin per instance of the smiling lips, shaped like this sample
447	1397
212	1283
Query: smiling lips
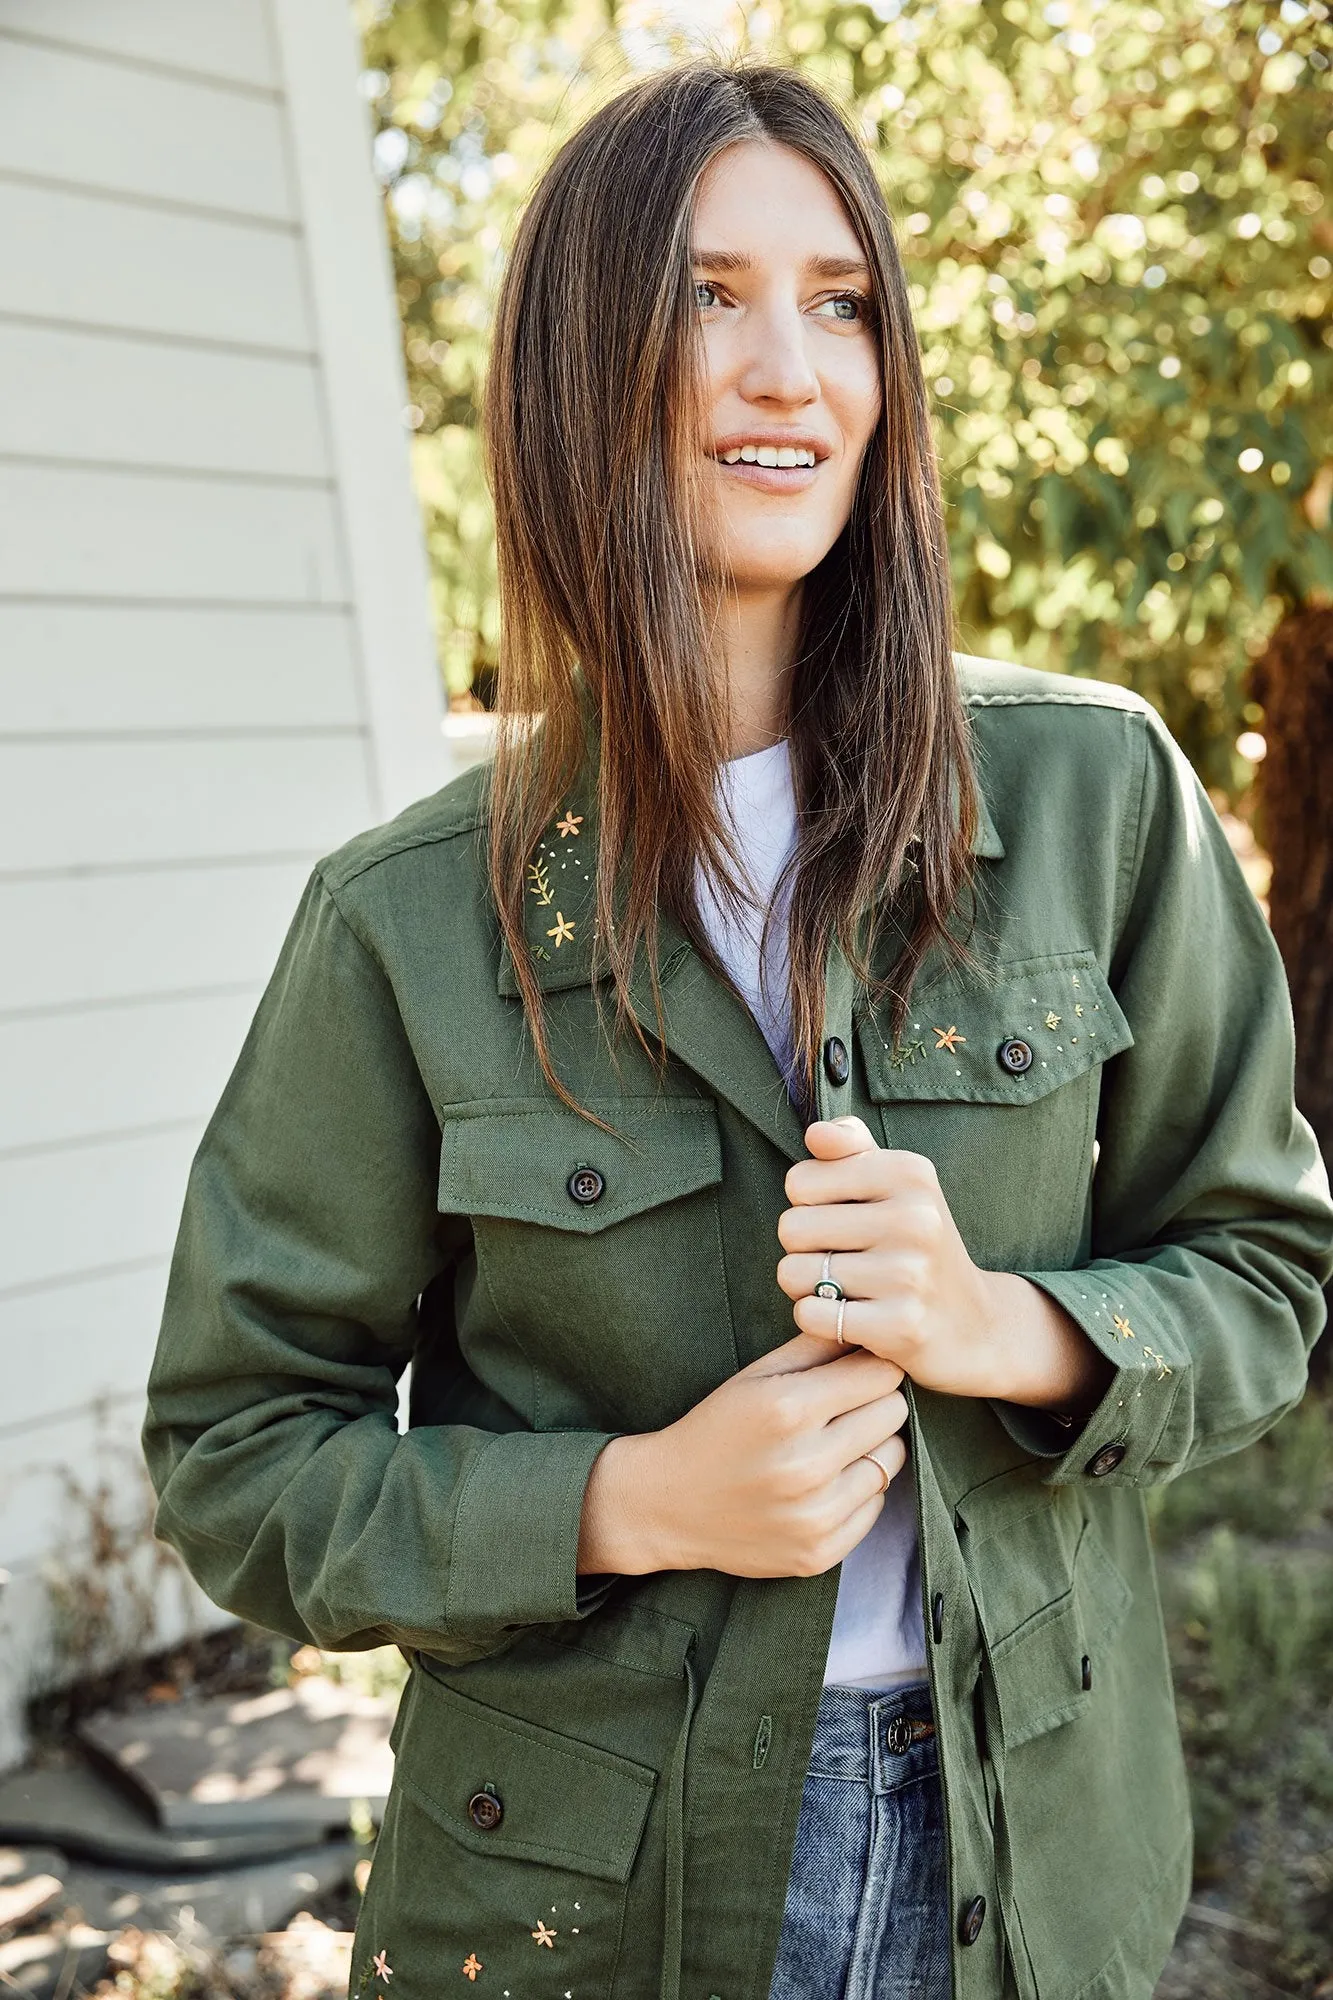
781	466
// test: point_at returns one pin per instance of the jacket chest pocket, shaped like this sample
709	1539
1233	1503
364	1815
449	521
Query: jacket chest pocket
600	1257
998	1085
508	1854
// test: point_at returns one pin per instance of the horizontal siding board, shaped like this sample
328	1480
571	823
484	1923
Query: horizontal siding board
92	1208
82	939
117	1069
65	531
73	117
133	667
77	1343
231	41
63	805
148	270
95	397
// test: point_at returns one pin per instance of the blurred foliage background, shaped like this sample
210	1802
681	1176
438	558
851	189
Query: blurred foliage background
1117	222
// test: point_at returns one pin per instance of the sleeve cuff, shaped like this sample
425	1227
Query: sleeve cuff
516	1532
1117	1440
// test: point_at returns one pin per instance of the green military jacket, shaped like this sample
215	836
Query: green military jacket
597	1779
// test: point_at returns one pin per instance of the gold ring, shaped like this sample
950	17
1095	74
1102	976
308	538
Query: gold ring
888	1476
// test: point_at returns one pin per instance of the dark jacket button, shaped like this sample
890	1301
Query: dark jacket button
937	1616
1104	1461
971	1920
1087	1673
585	1184
837	1065
1014	1056
485	1811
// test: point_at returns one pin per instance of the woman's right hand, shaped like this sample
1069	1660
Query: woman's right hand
767	1476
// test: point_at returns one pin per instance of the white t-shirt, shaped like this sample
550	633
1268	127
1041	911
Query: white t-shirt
878	1638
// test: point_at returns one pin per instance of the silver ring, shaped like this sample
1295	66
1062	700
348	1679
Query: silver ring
842	1307
828	1288
888	1476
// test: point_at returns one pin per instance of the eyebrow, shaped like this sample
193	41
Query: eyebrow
820	267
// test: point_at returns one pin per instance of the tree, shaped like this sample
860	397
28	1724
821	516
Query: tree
1118	226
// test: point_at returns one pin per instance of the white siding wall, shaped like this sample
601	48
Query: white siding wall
214	665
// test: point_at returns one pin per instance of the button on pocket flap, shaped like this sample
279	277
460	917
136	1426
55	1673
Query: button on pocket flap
547	1797
530	1160
1038	1023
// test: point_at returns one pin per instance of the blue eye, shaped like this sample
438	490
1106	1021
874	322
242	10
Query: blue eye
701	284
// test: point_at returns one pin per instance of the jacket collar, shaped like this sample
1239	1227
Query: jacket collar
558	908
705	1025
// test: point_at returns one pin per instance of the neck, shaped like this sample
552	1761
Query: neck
756	638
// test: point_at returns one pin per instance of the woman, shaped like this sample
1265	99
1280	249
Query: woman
790	1354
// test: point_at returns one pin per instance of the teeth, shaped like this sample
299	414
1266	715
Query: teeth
767	454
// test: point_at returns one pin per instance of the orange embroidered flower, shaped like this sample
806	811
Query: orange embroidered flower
947	1038
542	1936
382	1966
472	1965
569	824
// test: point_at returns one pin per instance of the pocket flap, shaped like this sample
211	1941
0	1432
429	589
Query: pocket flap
513	1157
1038	1667
561	1801
1060	1007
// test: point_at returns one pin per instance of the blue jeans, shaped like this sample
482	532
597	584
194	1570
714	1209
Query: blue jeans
866	1916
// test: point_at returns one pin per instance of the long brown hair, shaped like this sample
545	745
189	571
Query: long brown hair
595	423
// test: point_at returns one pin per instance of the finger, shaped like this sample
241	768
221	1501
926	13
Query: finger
831	1138
876	1272
878	1424
866	1323
847	1225
803	1350
859	1176
861	1515
848	1382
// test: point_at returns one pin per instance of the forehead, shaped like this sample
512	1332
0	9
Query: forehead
767	201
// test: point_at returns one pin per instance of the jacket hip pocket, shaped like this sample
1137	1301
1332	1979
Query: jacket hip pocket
506	1850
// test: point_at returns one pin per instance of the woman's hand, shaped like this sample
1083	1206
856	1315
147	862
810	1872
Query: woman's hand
914	1295
767	1476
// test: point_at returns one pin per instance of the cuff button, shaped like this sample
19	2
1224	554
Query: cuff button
1105	1461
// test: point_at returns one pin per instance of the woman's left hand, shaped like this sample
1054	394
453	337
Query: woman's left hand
914	1295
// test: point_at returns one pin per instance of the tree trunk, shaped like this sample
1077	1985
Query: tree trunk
1294	683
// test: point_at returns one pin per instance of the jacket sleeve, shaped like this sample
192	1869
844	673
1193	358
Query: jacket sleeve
309	1233
1212	1226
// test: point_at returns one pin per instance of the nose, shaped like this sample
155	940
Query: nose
777	366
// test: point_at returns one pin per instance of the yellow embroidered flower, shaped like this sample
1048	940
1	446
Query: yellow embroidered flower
561	930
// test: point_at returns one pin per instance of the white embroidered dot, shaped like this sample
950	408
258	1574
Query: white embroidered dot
958	1072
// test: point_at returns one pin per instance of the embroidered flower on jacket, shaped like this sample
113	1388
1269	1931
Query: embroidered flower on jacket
472	1965
571	823
383	1969
542	1936
562	929
947	1038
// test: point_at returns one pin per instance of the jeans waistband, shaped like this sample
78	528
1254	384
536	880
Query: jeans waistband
884	1740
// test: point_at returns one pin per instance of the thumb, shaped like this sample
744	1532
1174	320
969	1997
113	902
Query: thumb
838	1138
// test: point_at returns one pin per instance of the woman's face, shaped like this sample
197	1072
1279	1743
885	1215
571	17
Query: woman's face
783	295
